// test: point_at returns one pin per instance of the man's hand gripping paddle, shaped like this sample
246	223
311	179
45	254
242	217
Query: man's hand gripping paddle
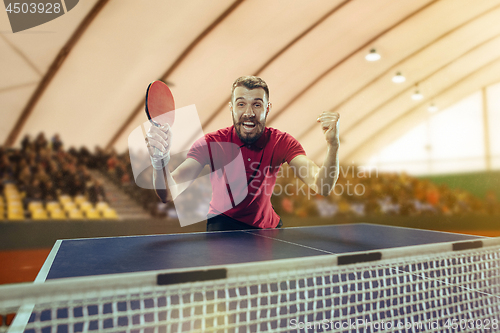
160	108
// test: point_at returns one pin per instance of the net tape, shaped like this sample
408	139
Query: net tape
423	291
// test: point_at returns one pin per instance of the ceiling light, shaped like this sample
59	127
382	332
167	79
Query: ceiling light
417	96
432	108
372	56
398	78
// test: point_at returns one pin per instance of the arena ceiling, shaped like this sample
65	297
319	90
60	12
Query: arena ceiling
84	75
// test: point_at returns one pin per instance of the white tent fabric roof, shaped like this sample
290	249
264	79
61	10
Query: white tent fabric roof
84	75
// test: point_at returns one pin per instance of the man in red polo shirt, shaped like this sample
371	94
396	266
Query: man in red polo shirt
239	203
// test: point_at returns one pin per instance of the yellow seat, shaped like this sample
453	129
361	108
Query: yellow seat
101	206
15	208
15	215
57	214
85	205
92	214
10	188
35	205
13	197
39	214
64	198
52	205
69	206
14	205
110	213
75	214
79	199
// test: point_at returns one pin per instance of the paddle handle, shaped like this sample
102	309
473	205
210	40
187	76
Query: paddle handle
157	154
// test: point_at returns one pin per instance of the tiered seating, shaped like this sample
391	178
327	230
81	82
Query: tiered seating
14	203
42	181
79	208
2	208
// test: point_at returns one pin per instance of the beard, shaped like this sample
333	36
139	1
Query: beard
247	133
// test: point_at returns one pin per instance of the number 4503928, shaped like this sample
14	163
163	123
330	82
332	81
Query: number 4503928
25	8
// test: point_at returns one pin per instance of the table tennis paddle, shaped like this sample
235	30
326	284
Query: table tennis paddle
160	106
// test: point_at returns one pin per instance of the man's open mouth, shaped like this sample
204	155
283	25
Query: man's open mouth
248	125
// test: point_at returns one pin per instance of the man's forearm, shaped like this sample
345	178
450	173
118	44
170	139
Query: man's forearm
329	172
176	182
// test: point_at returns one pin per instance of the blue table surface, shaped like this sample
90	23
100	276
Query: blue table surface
95	256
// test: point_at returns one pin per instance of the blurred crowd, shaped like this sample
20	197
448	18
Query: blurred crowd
43	170
362	192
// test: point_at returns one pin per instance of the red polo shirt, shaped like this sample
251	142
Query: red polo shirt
245	195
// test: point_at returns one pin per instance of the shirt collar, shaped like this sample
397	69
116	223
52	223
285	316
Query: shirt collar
259	144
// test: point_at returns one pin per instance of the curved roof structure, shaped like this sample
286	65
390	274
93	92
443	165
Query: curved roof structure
84	75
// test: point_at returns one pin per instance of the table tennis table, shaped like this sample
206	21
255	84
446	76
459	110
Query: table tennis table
301	279
96	256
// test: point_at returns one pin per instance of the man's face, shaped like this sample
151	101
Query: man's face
249	109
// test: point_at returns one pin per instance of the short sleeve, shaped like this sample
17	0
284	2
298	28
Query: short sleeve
292	147
199	151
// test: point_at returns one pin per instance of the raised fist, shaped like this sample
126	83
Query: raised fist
330	126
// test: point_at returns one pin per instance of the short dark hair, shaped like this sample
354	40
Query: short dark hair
250	82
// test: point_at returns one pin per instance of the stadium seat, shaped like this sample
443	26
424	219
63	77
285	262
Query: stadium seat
52	205
79	199
10	190
13	197
35	205
85	205
64	198
15	201
75	214
92	214
110	214
39	214
69	206
57	214
15	206
15	215
101	206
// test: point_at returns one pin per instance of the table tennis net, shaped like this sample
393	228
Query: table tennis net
433	287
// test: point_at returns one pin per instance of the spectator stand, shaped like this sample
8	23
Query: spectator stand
41	181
